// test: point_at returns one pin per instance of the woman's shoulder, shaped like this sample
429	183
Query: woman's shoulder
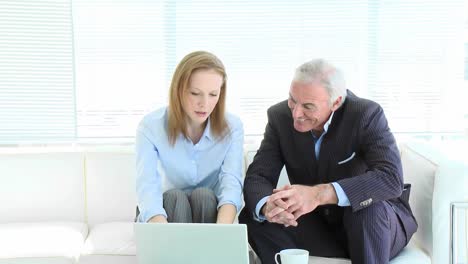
158	115
233	120
235	126
154	121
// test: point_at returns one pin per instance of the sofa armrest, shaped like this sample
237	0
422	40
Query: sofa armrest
439	178
459	232
449	187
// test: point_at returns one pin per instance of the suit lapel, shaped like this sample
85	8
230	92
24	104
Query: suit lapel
324	158
304	142
330	145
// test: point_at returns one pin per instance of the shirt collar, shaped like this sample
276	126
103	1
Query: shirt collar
208	133
325	126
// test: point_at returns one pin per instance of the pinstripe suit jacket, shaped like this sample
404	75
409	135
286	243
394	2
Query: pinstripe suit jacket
358	151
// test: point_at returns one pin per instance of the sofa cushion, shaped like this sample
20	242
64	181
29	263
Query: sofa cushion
37	261
110	187
249	155
38	187
100	259
449	185
420	172
321	260
410	254
106	240
47	239
116	238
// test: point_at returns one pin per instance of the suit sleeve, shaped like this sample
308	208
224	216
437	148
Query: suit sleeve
383	178
263	173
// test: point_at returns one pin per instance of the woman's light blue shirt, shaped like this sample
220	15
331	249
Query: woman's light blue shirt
211	163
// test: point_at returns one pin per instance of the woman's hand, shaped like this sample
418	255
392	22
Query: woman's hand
226	214
158	219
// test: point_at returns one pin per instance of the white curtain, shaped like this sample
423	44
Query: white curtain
406	55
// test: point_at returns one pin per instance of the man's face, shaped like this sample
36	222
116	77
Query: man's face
310	106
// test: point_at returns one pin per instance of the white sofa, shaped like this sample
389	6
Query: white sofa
78	206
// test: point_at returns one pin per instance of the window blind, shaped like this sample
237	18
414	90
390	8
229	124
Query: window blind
406	55
415	64
37	102
121	64
98	78
263	42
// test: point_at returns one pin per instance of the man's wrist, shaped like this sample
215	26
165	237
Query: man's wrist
263	210
327	194
258	213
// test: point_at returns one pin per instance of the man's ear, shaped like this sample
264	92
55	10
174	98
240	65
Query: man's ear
336	103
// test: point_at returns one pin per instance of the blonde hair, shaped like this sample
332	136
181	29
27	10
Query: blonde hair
198	60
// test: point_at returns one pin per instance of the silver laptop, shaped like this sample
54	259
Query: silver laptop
176	243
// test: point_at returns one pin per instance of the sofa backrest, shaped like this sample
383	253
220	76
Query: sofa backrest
435	191
420	172
110	186
42	186
249	154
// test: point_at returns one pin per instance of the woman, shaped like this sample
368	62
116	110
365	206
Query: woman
189	154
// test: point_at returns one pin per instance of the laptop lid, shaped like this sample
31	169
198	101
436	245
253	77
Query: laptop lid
181	243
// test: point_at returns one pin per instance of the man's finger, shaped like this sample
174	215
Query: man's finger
284	194
281	203
293	222
294	208
273	212
278	190
283	218
285	187
293	202
290	223
298	213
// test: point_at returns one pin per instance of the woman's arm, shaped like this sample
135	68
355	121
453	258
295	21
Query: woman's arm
226	214
229	188
148	181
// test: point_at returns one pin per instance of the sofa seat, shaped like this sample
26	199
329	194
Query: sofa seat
43	239
114	238
410	254
115	243
110	243
57	260
114	259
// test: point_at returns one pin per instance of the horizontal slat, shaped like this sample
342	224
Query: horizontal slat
260	43
37	95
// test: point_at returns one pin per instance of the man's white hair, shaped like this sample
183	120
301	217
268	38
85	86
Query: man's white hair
321	72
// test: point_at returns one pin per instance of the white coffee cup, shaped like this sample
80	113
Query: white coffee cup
293	256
